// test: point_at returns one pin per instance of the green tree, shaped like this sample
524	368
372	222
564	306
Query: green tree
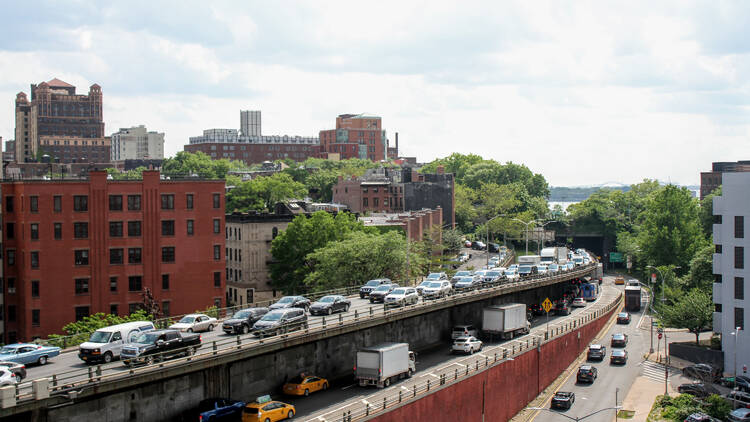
680	407
303	236
320	184
716	406
692	310
200	164
456	163
706	212
262	193
701	274
452	240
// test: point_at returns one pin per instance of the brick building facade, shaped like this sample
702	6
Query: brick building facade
710	180
416	224
74	248
356	136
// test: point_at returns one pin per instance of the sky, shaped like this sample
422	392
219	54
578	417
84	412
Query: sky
585	92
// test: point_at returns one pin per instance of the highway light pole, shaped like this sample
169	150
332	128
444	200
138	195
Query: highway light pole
576	418
662	279
526	230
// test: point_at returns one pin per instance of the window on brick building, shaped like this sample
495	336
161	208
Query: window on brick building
80	203
217	200
34	231
9	204
57	203
35	259
113	309
116	256
134	228
134	202
81	312
81	257
58	231
217	279
135	283
167	228
134	255
10	257
190	227
34	288
81	230
35	317
217	252
217	226
113	284
165	281
115	202
189	201
165	308
10	231
167	202
82	286
364	202
115	229
34	203
167	254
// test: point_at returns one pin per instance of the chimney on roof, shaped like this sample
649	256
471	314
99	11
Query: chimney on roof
396	144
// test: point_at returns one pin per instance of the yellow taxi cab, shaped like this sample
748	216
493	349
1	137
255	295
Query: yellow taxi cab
303	385
619	280
266	410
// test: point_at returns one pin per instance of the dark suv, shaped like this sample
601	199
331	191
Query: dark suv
379	294
242	321
280	321
586	373
563	400
596	352
371	285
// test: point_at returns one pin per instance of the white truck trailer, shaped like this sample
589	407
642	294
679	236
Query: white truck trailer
529	260
505	320
554	254
381	364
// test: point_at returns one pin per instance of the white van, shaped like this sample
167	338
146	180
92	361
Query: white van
105	344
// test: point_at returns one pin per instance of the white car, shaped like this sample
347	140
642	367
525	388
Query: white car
7	377
194	323
578	302
402	296
422	285
437	289
460	274
553	268
542	269
468	344
492	276
512	274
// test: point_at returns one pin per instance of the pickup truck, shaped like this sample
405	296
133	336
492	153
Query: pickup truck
158	345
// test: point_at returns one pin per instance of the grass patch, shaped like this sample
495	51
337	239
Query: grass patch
626	414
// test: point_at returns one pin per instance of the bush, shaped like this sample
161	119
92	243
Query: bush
717	407
681	407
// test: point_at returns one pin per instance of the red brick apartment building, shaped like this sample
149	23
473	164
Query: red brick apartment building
355	136
77	247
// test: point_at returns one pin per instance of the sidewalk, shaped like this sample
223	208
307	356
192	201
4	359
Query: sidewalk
641	397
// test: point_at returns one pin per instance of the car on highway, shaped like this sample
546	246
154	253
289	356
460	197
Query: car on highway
619	356
266	410
28	353
553	268
327	305
18	369
563	400
437	276
371	285
570	266
467	283
379	294
157	345
464	330
460	274
421	286
535	309
578	302
562	307
623	318
242	321
697	389
542	269
402	296
586	373
303	385
702	371
7	377
739	415
619	280
526	270
216	409
511	274
596	352
492	276
619	340
193	323
291	302
280	321
437	289
469	344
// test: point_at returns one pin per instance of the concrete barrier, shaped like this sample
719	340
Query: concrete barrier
696	354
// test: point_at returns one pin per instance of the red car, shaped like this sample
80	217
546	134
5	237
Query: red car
623	318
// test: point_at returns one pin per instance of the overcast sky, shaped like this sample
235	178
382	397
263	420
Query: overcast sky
582	92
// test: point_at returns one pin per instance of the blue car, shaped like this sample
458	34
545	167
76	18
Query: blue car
27	353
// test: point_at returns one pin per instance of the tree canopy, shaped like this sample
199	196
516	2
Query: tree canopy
262	193
200	164
692	310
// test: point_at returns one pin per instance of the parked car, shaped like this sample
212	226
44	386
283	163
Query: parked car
619	340
741	382
437	289
18	369
493	247
586	373
738	398
242	321
279	321
379	294
303	385
477	245
327	305
700	417
578	302
463	257
464	330
702	371
156	345
623	318
7	377
195	323
371	285
437	276
467	243
467	283
468	345
27	353
563	400
697	389
596	352
216	409
619	356
739	415
291	302
401	296
267	410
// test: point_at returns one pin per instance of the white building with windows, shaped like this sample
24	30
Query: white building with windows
137	143
731	268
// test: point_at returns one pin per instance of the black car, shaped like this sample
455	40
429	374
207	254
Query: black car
379	294
327	305
371	285
291	302
741	382
586	373
17	369
623	318
280	321
242	321
157	345
698	389
477	245
596	352
702	371
535	309
739	399
562	307
619	356
619	340
563	400
493	247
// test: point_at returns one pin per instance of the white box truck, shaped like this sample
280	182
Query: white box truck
529	260
548	255
381	364
505	320
555	254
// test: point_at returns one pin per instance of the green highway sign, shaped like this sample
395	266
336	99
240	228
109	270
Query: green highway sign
616	257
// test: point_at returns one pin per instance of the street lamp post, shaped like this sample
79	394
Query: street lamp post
526	230
576	418
663	281
736	335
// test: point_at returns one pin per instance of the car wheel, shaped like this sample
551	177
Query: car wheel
189	330
346	308
42	360
307	392
107	357
387	382
18	379
290	415
210	327
150	360
325	386
409	373
268	420
330	311
244	329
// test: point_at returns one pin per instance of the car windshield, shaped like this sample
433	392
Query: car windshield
466	280
510	272
618	353
383	288
287	299
100	337
492	273
462	273
424	283
146	338
273	316
398	292
327	299
618	336
524	269
434	276
8	350
541	267
435	284
187	320
622	315
241	314
372	283
553	267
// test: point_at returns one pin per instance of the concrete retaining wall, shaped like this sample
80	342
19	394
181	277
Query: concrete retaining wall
692	353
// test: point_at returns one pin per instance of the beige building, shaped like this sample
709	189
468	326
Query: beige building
248	253
137	143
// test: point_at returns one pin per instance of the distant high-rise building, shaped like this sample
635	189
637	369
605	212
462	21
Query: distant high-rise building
250	122
710	180
356	136
60	124
137	143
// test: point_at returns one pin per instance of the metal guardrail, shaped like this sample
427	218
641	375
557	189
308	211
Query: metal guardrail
76	379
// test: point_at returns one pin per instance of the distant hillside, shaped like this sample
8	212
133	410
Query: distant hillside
564	194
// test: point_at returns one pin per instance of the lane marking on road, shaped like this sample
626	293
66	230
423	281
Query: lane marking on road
348	386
